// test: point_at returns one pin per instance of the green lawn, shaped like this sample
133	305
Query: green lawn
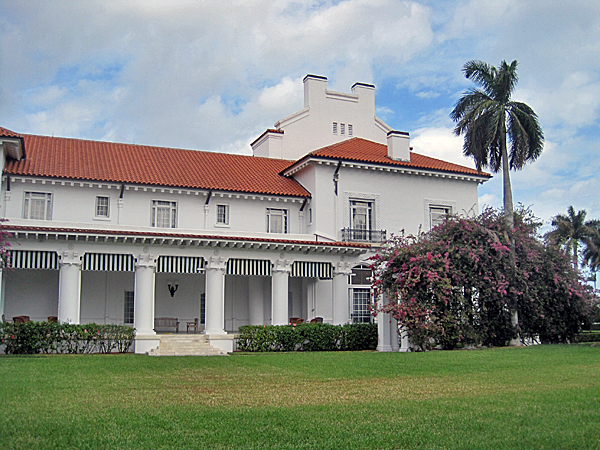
543	397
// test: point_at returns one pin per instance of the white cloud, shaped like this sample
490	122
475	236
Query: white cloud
440	143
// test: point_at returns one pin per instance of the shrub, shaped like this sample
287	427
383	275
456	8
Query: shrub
310	337
44	337
459	283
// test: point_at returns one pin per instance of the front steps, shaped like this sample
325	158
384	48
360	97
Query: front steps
184	345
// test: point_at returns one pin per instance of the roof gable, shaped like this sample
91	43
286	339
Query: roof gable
140	164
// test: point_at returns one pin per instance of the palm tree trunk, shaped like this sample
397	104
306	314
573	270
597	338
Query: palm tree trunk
508	199
510	221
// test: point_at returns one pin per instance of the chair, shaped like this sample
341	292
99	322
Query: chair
296	320
193	325
21	319
52	319
316	320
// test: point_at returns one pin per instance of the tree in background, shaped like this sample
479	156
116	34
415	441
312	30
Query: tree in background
571	229
457	284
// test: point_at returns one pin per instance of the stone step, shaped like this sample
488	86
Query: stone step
173	345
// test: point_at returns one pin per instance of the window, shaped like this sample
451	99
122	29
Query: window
334	127
360	292
38	206
361	219
310	216
164	214
361	299
437	214
222	214
342	128
277	220
128	313
350	130
203	308
102	206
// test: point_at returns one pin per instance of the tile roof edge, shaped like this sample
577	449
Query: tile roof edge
8	228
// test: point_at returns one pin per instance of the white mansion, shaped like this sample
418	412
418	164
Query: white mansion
119	233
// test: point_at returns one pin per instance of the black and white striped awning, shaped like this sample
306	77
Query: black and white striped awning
32	259
108	262
309	269
180	264
251	267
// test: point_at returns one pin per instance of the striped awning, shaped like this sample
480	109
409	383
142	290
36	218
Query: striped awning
179	264
108	262
251	267
32	259
309	269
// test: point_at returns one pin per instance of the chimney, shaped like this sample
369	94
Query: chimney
398	145
268	144
314	89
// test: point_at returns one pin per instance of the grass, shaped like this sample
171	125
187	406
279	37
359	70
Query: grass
543	397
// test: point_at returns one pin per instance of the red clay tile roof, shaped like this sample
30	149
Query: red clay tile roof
150	234
140	164
362	150
4	132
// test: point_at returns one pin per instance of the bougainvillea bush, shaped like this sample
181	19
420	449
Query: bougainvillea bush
457	284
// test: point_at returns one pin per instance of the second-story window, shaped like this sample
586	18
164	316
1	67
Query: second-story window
350	130
437	214
37	205
277	220
164	214
222	214
342	128
102	206
334	127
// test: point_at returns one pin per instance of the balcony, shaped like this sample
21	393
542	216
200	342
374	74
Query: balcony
360	235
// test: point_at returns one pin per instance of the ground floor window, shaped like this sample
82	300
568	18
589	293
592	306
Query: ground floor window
128	314
203	308
361	299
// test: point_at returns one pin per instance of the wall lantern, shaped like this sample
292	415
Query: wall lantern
172	288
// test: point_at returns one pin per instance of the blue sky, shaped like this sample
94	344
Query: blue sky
214	75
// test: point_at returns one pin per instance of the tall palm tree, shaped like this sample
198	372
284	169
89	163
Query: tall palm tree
570	229
486	116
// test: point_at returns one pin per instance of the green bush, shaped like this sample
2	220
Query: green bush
586	337
310	337
44	337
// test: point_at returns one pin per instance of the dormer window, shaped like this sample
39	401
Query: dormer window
334	127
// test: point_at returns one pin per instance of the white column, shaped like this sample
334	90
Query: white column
341	306
279	292
69	288
144	288
404	342
215	295
256	303
1	293
383	328
394	338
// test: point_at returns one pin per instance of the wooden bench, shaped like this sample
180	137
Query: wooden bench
166	322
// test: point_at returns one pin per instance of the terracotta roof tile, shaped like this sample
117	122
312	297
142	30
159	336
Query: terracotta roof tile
4	132
140	164
362	150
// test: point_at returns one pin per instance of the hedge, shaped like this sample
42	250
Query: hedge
586	337
45	337
310	337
